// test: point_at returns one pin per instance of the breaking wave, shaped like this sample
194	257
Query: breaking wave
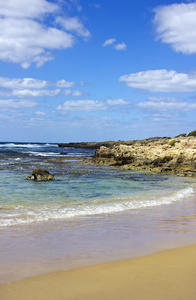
17	215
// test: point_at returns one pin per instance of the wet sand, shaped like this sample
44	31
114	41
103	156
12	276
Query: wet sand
27	251
170	274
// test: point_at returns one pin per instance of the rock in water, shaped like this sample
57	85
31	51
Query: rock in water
40	175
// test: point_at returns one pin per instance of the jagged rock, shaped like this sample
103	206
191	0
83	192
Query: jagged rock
40	175
155	154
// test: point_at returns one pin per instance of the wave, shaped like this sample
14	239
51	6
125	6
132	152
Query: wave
29	145
18	215
56	154
45	154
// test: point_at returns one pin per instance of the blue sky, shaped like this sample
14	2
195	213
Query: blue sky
95	70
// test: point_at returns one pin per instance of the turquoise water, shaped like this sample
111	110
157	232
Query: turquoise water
87	214
99	191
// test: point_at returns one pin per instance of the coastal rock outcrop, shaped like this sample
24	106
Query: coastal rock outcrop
40	175
175	156
87	145
93	145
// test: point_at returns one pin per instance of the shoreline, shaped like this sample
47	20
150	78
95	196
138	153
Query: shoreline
89	241
159	155
170	274
174	156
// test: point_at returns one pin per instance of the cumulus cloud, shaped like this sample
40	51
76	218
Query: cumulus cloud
90	105
36	93
75	25
82	105
25	34
30	87
23	83
167	104
121	46
64	84
176	25
25	41
69	92
12	104
161	81
117	102
22	9
109	42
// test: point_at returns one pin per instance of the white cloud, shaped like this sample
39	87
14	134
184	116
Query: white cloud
109	42
82	105
73	24
11	104
65	84
30	87
24	83
166	104
176	25
40	113
161	81
22	8
117	102
25	41
69	92
76	93
26	37
36	93
121	46
90	105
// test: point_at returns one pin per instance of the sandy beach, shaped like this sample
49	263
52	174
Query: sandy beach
170	274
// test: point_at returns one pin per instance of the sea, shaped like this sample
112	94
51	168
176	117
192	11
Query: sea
88	214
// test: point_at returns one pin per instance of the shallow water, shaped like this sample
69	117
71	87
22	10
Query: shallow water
88	214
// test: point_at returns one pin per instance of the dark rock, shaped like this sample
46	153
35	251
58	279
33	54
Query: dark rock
158	162
95	145
40	175
86	145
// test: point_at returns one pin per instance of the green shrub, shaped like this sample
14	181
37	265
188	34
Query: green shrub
182	134
192	133
172	143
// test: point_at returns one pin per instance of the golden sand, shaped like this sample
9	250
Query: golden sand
163	276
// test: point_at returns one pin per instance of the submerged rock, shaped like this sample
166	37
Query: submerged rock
40	175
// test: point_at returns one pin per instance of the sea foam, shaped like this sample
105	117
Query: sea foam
17	215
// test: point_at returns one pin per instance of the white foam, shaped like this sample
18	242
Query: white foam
34	153
13	145
26	215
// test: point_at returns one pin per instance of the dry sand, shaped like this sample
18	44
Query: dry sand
167	275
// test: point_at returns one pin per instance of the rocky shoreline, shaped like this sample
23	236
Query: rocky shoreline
159	155
174	156
92	145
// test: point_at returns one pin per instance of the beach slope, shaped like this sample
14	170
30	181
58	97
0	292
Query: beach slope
167	275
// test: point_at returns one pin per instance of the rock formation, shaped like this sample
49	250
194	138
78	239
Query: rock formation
92	145
40	175
175	156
